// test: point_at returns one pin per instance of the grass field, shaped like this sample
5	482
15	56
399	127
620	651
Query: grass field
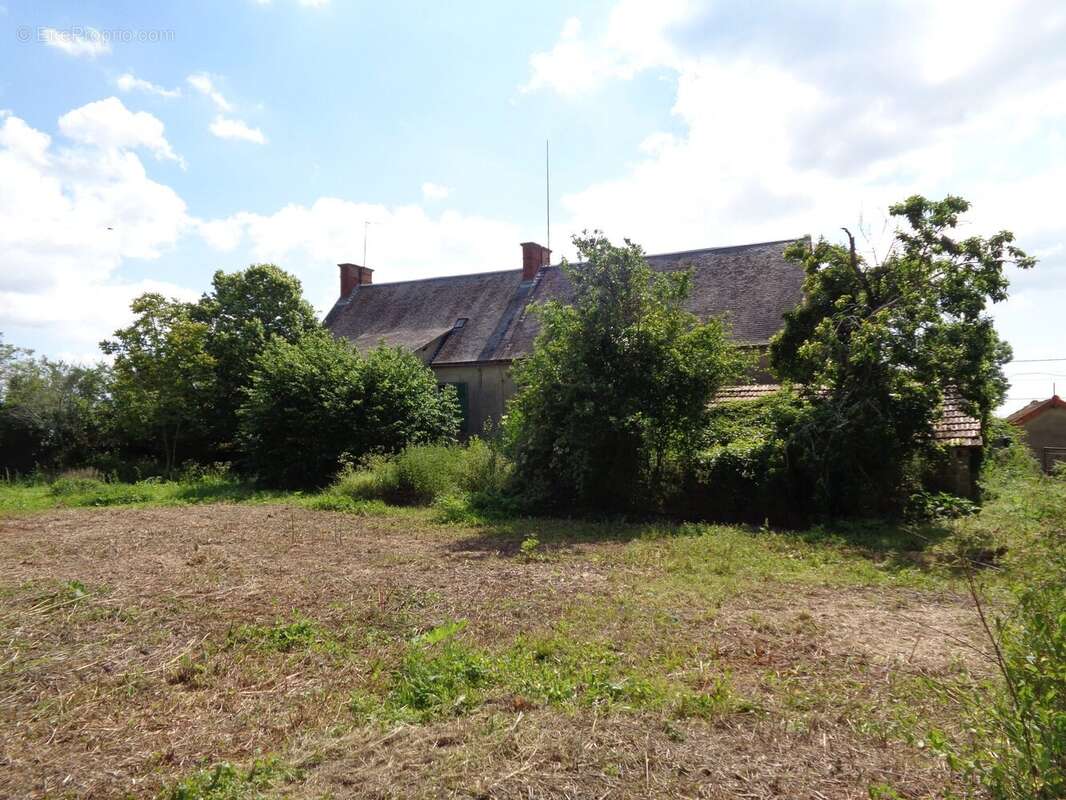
182	648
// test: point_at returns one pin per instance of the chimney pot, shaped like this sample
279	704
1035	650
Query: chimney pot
534	256
353	275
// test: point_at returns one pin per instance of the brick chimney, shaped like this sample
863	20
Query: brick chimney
353	275
534	256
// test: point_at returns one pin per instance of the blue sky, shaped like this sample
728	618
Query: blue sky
210	135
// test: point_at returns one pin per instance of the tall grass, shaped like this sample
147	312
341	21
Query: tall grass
1016	744
423	474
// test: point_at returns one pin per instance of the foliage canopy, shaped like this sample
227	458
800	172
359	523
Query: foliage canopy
317	403
618	383
876	345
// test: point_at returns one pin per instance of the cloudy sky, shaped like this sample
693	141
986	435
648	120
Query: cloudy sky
145	145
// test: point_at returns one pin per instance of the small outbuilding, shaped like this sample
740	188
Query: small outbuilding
1044	423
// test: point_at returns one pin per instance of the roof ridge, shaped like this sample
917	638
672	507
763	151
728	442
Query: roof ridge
719	249
725	247
440	278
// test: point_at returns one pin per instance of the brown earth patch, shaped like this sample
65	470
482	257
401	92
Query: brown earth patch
128	679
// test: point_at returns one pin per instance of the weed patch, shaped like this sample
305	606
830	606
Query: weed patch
331	501
224	781
282	637
441	676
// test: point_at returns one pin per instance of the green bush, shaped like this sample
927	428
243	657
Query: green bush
923	506
315	403
618	383
88	491
67	486
421	474
876	343
741	468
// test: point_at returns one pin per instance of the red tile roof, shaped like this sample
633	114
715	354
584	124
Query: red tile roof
1035	408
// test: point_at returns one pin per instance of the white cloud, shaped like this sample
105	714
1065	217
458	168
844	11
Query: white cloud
636	38
434	191
128	82
204	83
225	128
108	124
21	142
779	138
83	42
404	242
75	214
801	126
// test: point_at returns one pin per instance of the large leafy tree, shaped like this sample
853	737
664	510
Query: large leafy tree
315	403
877	344
182	369
619	380
163	380
51	413
243	312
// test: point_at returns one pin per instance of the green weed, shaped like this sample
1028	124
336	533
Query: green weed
282	637
224	781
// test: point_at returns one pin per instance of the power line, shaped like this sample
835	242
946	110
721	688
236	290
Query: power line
1033	360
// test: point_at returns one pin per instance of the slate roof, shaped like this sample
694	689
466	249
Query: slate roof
954	427
751	286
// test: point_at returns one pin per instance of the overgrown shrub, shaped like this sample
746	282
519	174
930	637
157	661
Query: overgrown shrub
95	492
314	403
923	506
876	346
741	468
421	474
618	383
770	458
76	481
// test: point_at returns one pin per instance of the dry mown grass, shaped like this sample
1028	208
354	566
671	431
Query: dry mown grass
139	646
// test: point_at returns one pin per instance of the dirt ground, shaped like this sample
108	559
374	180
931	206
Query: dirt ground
112	683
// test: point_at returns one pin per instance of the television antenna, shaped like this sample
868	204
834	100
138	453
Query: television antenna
547	196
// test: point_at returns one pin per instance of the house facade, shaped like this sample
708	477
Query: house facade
469	329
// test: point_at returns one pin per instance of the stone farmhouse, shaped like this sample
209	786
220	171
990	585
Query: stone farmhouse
470	328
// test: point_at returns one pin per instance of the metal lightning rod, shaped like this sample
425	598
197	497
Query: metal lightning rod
547	195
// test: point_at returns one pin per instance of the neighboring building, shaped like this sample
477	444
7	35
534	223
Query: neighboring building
1044	423
469	328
